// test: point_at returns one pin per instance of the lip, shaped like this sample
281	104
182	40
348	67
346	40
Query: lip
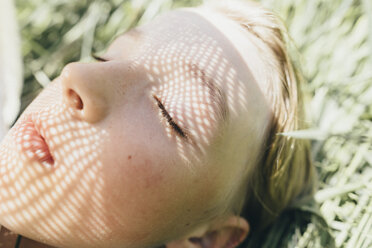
31	143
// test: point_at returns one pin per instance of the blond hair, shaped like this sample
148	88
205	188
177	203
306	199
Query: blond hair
285	173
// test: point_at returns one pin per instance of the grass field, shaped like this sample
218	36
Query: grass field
334	48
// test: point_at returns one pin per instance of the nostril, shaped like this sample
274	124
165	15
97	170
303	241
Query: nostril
75	100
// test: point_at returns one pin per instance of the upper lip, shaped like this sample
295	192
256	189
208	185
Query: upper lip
31	138
48	157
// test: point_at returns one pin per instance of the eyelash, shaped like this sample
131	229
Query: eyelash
169	119
164	112
98	58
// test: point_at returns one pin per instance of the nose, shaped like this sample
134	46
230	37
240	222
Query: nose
84	91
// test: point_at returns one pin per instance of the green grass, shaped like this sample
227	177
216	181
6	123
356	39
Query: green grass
334	41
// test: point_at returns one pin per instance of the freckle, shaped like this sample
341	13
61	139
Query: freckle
187	224
129	157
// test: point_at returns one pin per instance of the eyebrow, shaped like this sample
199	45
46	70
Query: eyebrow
215	91
134	34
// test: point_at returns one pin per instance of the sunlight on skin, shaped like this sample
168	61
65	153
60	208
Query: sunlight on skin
143	148
32	191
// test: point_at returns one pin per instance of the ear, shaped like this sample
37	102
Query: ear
228	233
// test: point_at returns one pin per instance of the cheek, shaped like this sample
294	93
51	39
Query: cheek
118	182
140	175
150	187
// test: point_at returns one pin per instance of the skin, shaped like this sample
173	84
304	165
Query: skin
119	174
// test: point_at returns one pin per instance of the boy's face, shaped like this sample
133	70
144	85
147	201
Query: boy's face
140	149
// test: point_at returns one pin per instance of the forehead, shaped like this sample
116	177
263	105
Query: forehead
189	38
196	38
201	65
178	36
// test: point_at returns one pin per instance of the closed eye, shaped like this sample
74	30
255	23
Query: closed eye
169	119
98	58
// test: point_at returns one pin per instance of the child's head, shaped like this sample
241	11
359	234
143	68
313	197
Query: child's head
171	138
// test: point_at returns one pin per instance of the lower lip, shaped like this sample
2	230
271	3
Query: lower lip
32	144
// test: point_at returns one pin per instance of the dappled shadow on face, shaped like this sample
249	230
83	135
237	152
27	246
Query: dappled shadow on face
198	91
195	81
52	199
